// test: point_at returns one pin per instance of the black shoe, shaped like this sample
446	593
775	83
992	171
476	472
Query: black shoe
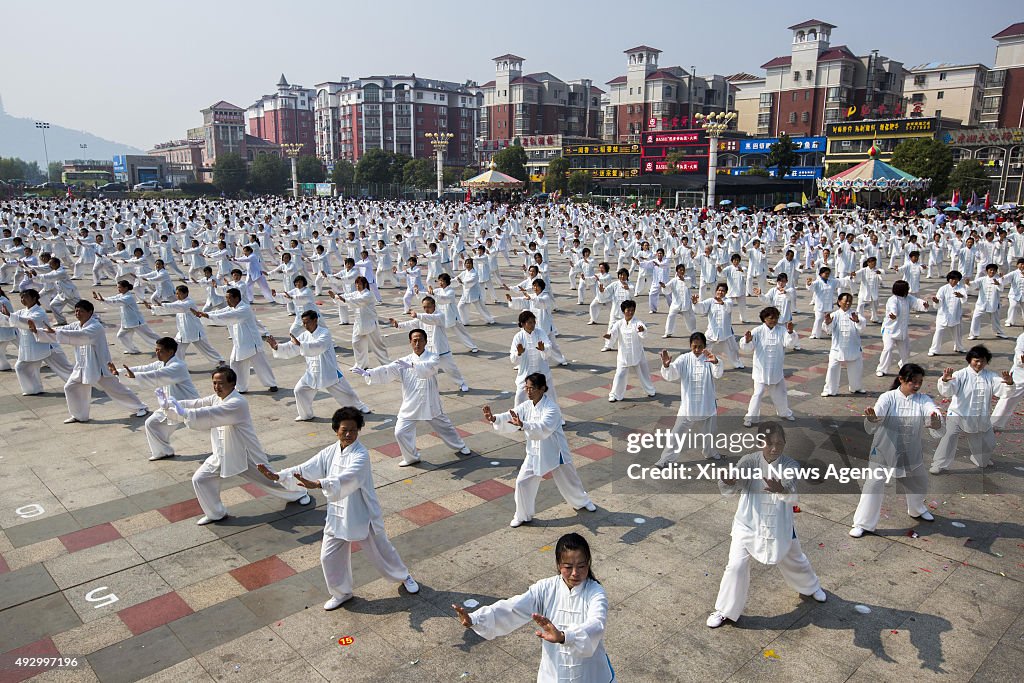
272	390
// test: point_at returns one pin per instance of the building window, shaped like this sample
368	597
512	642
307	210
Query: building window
831	114
810	74
796	75
766	99
794	95
920	79
938	113
940	95
807	95
419	96
942	76
792	117
764	119
805	117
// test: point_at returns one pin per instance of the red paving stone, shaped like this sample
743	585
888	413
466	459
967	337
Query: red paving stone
148	615
40	648
426	513
741	397
262	573
182	510
490	489
582	396
255	490
594	451
87	538
392	450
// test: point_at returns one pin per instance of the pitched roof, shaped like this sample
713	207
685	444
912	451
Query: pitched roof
662	74
510	56
1011	31
809	23
524	79
617	79
835	53
641	48
594	90
544	76
224	105
488	84
282	82
743	76
778	61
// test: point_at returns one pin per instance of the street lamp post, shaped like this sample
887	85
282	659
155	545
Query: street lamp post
42	127
714	125
440	142
292	149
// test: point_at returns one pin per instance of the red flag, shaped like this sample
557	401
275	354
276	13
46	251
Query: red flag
469	196
903	201
988	198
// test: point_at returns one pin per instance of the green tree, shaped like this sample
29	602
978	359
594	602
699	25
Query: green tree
578	181
452	175
310	170
269	174
557	177
758	171
512	162
469	172
836	168
782	156
344	173
969	176
229	173
672	158
419	173
13	168
54	171
374	167
925	158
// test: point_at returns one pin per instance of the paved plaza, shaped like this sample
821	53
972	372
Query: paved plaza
85	516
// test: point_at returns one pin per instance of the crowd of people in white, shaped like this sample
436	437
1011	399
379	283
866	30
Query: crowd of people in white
328	262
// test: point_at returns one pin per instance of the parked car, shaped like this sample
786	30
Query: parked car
148	186
51	185
113	187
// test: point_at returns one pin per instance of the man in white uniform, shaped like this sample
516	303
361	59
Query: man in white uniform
246	335
316	347
32	353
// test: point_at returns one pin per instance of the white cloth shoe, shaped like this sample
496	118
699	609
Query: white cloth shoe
857	532
935	469
819	595
335	603
411	585
142	412
465	450
406	463
926	516
464	388
161	457
305	500
204	520
716	619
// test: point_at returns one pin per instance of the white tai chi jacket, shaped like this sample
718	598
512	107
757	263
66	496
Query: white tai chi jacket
232	433
173	377
346	479
190	328
246	336
91	352
421	399
763	521
546	445
845	336
696	377
630	340
533	359
769	348
580	613
970	395
317	348
29	348
899	435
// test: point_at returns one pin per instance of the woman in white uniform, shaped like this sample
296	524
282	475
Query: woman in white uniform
342	472
845	327
696	373
571	611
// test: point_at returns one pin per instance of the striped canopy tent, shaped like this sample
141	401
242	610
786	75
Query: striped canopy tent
492	179
873	175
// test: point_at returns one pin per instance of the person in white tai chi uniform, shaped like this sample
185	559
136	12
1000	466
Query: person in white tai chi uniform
763	528
547	450
92	361
421	400
342	471
32	353
571	611
246	340
236	448
696	373
169	376
897	421
627	333
316	346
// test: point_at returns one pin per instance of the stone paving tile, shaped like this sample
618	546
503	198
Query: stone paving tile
131	587
92	636
153	613
425	513
36	619
262	572
86	565
43	529
186	670
35	553
214	625
209	592
138	657
87	538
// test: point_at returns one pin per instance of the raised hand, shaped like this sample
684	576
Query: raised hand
520	349
515	419
870	414
540	346
463	615
666	358
128	372
789	327
947	374
1007	377
548	631
828	318
112	368
748	337
306	483
774	486
488	414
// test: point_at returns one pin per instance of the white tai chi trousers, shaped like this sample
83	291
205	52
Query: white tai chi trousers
158	434
28	371
685	424
336	560
528	482
778	395
364	343
204	347
207	482
978	319
940	332
4	363
78	395
869	508
688	317
478	305
732	592
405	435
262	367
1003	411
982	444
341	391
888	346
643	372
446	363
125	336
854	373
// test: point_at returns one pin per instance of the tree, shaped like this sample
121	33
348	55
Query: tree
969	177
452	175
421	173
269	174
344	173
13	168
925	158
469	172
836	168
310	170
782	156
229	173
379	166
758	171
54	171
557	177
578	182
512	162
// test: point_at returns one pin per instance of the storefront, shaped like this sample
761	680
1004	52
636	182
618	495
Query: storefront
604	160
849	142
1000	152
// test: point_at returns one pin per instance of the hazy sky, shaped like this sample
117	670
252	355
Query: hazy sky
139	73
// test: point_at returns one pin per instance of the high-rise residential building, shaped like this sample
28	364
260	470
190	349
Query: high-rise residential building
394	113
946	91
747	89
651	97
1003	100
516	105
222	132
818	83
285	117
